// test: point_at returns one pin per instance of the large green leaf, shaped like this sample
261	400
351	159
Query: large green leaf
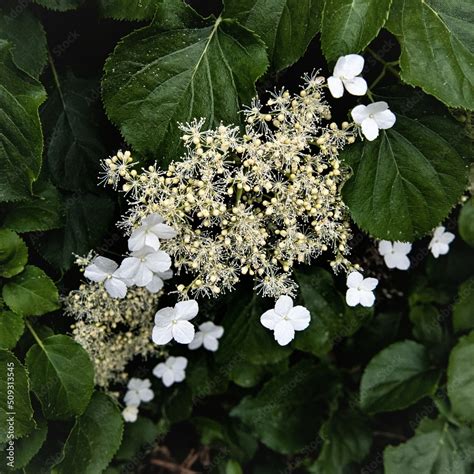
463	308
87	220
179	68
286	26
21	141
331	319
11	329
70	117
13	253
466	222
347	438
95	438
62	376
27	447
286	411
16	413
348	26
25	32
137	436
397	377
436	37
405	182
461	378
436	448
128	9
31	293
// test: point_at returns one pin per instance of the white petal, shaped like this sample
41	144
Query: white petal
183	332
105	264
367	298
180	363
446	238
164	316
351	66
146	394
369	284
439	231
164	231
403	262
354	279
151	240
377	107
211	343
370	129
402	247
158	262
196	343
115	288
155	285
385	119
434	247
165	275
161	336
355	86
391	260
179	375
299	317
159	370
152	220
335	87
284	332
143	276
186	309
352	297
283	305
132	398
339	66
130	413
440	249
359	114
385	247
269	319
137	240
100	268
129	267
168	378
135	384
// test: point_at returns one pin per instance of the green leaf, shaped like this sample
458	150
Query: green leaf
137	437
27	447
331	319
436	448
11	329
426	324
205	378
15	404
25	32
13	254
348	26
39	213
397	377
285	26
88	217
62	376
95	438
347	438
461	378
178	404
466	222
128	9
405	182
60	5
233	467
463	314
31	293
245	340
286	411
21	141
71	118
178	68
436	36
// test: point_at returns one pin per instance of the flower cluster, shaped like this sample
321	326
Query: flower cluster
255	204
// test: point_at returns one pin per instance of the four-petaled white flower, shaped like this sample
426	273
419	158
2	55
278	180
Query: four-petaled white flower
150	232
171	371
373	117
173	323
360	290
395	254
207	336
439	244
285	319
105	270
138	391
130	413
142	265
346	75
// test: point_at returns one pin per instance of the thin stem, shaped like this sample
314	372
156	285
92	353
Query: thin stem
34	334
387	64
379	78
56	78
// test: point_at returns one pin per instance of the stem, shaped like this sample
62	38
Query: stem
56	78
387	64
370	96
34	334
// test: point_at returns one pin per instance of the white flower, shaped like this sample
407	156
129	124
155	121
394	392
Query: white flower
148	234
439	244
373	117
173	323
346	75
395	254
360	290
138	391
285	319
104	270
130	413
208	336
171	371
142	265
